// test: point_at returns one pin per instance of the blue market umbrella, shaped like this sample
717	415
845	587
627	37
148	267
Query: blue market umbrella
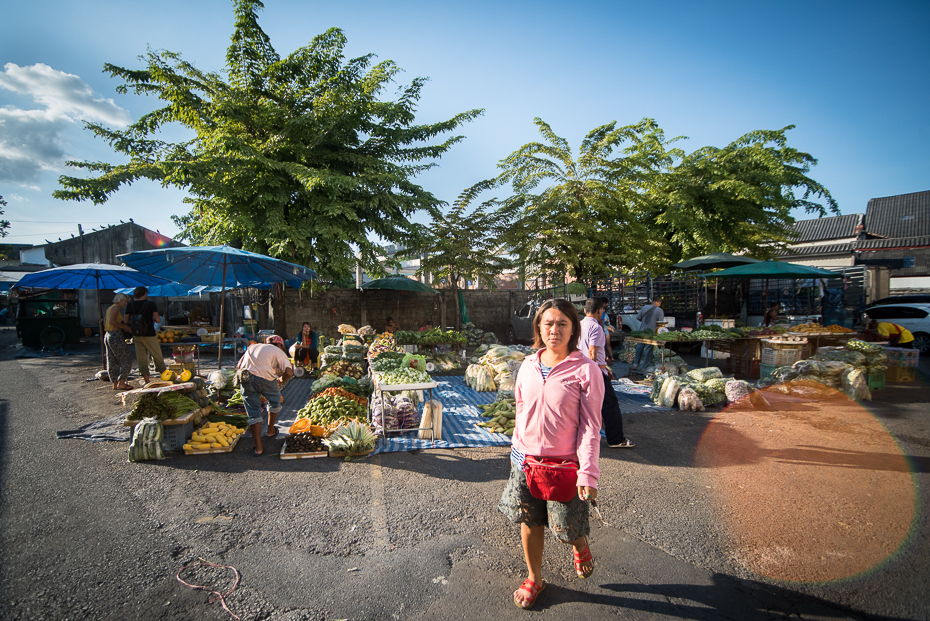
90	276
217	266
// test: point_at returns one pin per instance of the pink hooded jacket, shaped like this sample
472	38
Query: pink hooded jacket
561	417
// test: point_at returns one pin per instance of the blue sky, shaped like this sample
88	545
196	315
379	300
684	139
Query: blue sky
854	77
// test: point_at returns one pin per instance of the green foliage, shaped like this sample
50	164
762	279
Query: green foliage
465	243
294	157
4	224
738	198
587	212
629	201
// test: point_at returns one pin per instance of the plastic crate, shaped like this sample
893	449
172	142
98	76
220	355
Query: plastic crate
900	374
901	357
743	366
781	357
176	436
765	370
877	382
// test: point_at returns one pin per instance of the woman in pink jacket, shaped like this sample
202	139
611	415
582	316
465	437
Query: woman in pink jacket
558	415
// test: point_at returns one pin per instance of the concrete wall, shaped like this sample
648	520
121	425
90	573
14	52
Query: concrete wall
103	246
488	310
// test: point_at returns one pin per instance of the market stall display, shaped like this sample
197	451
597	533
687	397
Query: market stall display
214	438
502	415
351	440
303	445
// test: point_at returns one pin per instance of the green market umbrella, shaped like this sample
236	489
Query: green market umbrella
773	269
770	269
713	261
399	283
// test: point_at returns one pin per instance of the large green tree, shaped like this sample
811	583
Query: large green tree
295	157
466	242
738	198
578	214
632	201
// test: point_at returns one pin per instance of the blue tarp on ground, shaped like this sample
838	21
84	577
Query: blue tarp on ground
460	412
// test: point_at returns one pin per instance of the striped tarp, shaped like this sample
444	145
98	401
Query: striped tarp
460	412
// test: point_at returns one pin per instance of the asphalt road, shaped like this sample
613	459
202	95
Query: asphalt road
87	535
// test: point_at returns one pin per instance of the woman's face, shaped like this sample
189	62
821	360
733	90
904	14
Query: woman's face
306	329
556	329
122	303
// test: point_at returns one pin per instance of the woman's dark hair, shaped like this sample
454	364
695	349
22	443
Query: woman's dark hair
566	308
306	323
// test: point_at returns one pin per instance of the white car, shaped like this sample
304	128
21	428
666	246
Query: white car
914	317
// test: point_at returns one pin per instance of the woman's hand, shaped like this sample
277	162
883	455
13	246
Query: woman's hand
587	493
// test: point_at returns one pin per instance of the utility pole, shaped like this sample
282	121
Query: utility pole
81	232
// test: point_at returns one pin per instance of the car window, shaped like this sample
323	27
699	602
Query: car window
525	311
909	312
879	312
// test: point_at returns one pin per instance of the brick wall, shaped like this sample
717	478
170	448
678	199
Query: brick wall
489	310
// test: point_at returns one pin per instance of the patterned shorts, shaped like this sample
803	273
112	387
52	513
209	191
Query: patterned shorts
567	520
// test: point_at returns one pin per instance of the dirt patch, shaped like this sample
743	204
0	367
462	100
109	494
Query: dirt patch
808	496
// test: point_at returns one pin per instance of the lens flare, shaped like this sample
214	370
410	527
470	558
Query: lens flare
810	489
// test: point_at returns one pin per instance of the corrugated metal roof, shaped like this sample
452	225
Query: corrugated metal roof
897	242
808	251
905	215
835	227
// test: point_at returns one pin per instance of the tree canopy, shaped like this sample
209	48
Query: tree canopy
632	201
465	242
294	157
4	224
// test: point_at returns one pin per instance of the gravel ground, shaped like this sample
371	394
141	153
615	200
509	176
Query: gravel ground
416	535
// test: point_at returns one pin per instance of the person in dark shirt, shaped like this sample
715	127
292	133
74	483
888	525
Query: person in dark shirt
146	344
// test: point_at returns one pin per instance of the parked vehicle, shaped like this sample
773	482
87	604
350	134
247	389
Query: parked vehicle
520	328
914	317
916	298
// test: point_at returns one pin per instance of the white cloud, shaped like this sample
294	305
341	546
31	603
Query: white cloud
33	140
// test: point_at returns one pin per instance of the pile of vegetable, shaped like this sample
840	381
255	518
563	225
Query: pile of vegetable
496	369
165	406
445	362
429	337
304	442
386	361
362	387
846	370
701	387
502	414
476	336
333	391
214	435
324	410
343	368
383	343
404	376
351	439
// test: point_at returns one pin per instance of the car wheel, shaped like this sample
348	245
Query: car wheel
922	342
511	336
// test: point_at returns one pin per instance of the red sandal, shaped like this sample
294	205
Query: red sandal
583	558
533	589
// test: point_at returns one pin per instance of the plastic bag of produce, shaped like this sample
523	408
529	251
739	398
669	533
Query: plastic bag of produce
505	381
414	361
717	384
856	385
367	331
484	380
669	392
737	392
657	382
333	349
878	369
405	411
702	375
146	441
688	400
382	416
785	374
853	358
222	378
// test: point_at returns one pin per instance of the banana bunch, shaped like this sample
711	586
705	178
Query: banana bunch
503	416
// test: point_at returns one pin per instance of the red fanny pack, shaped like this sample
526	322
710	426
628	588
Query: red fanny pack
551	479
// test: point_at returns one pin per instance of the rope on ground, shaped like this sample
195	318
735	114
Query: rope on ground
219	596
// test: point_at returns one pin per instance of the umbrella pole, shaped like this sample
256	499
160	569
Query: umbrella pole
219	355
103	352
